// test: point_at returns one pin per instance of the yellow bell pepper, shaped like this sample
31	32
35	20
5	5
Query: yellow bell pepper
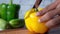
31	22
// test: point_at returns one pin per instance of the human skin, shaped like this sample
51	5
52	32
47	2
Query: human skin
50	14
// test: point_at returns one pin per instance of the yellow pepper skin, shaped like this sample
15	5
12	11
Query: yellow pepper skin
32	24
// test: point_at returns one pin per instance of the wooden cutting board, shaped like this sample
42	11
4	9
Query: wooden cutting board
25	31
16	31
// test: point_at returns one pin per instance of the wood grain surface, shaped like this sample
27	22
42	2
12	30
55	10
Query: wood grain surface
25	31
16	31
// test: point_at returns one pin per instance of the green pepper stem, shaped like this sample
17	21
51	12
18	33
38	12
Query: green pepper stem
11	2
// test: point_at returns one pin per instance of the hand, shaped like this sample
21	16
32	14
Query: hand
50	14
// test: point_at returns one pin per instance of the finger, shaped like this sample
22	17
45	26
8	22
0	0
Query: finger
49	7
49	15
55	26
53	22
58	7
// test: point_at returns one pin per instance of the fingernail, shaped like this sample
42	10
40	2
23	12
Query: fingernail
39	20
48	25
38	13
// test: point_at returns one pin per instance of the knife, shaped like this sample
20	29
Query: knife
37	3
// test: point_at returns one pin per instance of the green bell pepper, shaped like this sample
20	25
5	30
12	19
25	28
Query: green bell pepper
3	10
9	11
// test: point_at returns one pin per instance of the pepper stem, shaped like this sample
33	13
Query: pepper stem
36	9
11	1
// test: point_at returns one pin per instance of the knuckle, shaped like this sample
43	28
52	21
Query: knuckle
48	15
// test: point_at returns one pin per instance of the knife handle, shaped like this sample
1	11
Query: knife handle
37	3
